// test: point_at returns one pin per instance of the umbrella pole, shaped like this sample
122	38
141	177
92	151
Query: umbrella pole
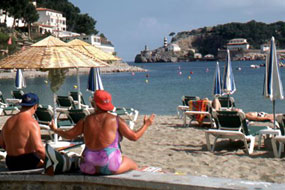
228	100
78	89
55	118
274	114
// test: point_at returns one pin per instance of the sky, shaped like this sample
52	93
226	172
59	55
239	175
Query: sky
132	24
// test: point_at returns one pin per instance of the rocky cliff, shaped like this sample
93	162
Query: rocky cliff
213	40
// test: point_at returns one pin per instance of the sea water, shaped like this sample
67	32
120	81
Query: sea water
160	89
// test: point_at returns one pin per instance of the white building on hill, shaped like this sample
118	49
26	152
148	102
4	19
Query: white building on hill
51	21
93	40
173	47
4	18
238	44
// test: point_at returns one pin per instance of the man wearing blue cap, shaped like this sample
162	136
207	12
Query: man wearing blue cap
21	137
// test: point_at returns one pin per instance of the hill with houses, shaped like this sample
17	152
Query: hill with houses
246	41
37	19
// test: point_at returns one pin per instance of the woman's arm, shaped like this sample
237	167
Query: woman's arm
135	135
71	133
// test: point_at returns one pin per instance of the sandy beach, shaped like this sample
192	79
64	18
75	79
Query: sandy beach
182	150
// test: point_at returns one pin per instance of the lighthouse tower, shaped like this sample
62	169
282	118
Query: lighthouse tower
165	42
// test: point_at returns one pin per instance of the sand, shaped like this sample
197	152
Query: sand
182	150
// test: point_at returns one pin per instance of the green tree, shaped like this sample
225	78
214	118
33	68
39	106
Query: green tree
76	22
85	24
30	15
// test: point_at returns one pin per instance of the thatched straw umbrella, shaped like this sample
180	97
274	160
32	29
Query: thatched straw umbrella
50	54
92	51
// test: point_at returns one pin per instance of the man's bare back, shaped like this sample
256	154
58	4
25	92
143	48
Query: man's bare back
21	137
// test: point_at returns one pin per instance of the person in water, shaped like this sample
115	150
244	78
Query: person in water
102	133
21	137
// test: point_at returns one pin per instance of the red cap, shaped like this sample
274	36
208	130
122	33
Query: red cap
103	100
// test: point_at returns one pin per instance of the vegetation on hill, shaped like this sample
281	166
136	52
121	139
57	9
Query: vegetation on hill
20	9
208	40
76	22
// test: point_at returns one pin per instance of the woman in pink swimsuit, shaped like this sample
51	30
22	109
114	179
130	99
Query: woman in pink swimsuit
102	133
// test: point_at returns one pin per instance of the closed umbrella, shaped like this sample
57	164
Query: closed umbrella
94	80
217	90
53	55
20	80
273	88
229	86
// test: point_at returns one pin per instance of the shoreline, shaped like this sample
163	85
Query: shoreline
114	68
182	151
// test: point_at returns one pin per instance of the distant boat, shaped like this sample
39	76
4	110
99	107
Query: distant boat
238	68
254	66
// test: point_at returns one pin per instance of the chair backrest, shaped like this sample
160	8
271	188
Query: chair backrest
281	122
186	99
2	100
227	101
17	94
44	115
77	114
65	102
229	120
74	95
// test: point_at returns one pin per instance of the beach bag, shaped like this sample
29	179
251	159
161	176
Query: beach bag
57	163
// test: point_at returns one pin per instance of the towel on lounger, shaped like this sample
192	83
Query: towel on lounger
198	105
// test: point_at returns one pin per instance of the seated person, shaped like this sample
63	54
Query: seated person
102	133
21	137
216	105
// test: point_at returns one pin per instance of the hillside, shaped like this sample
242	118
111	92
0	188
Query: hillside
208	40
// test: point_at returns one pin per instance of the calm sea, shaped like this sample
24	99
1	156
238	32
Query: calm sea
165	87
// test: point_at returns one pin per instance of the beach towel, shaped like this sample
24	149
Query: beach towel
198	105
57	162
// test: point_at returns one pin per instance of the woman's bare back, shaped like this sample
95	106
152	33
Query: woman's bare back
99	130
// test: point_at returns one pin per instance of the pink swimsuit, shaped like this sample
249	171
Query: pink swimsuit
108	159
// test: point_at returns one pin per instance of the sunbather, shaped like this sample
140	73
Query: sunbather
21	137
252	116
102	133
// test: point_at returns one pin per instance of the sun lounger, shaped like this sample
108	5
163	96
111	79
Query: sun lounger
17	94
73	116
44	115
232	125
226	102
74	96
279	138
6	107
64	103
199	111
185	107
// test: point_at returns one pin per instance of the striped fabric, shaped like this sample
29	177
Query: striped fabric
229	86
94	80
217	90
273	88
20	80
199	105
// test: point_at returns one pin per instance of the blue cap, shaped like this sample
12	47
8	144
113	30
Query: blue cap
29	99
